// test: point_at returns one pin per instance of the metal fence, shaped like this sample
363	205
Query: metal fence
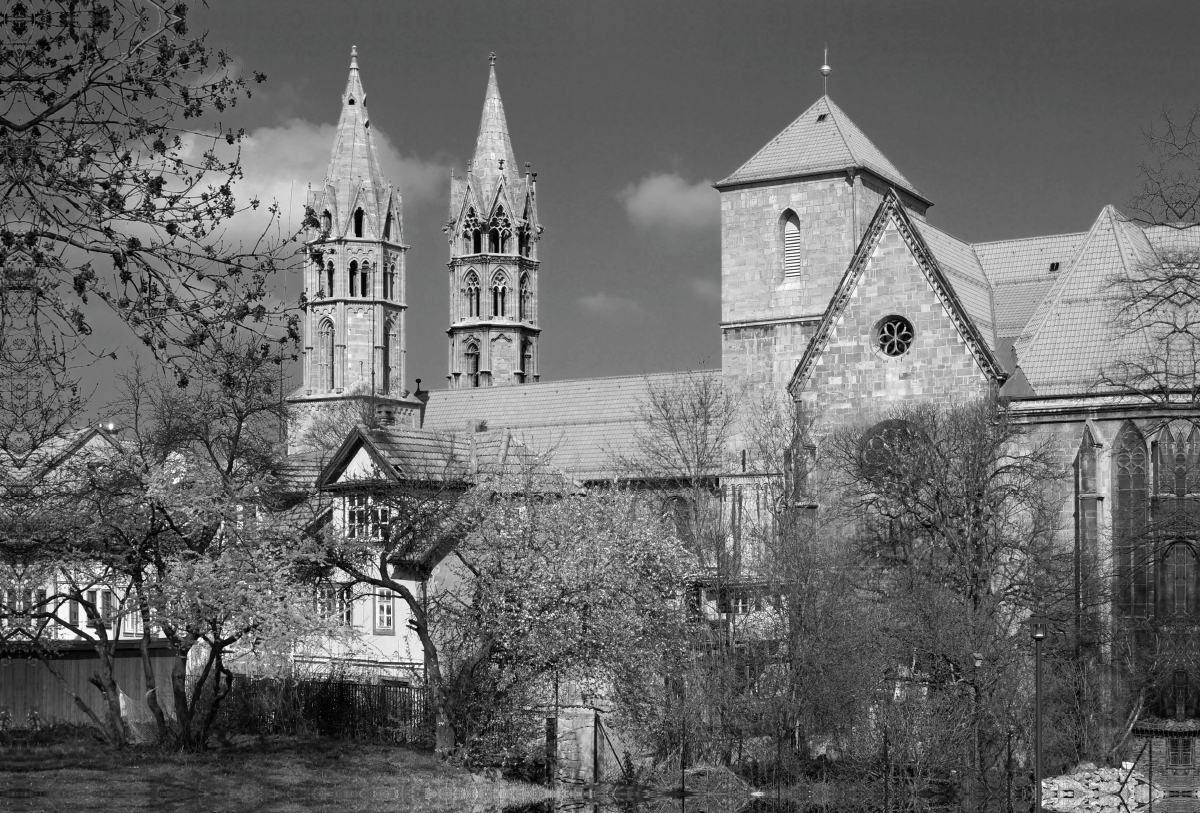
337	709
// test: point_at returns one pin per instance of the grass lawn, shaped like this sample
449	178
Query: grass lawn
275	776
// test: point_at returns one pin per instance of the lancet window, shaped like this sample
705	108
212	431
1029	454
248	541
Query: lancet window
1130	522
471	364
525	303
353	277
499	292
325	356
1087	558
391	344
358	222
472	291
329	278
792	247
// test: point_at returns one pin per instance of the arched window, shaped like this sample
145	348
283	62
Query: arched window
391	347
499	291
326	222
351	100
471	359
1087	549
325	356
329	274
387	227
353	276
494	241
1130	490
523	243
364	287
526	359
792	247
472	289
1177	582
525	303
358	222
505	241
476	242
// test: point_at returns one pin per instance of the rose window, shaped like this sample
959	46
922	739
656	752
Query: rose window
894	336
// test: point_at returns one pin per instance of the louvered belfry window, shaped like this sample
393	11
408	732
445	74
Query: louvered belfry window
792	248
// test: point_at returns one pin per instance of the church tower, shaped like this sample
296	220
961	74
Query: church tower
493	233
354	290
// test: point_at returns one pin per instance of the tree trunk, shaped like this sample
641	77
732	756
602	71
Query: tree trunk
105	680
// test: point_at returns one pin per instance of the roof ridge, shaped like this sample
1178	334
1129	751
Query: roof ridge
532	385
1035	237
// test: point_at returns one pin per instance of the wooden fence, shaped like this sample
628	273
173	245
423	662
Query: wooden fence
338	709
28	687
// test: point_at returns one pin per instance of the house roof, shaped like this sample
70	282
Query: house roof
1071	335
1020	274
582	428
822	139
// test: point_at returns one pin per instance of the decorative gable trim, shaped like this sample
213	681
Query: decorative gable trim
341	459
891	209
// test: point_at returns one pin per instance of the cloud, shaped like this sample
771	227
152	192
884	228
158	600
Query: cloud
668	201
612	307
705	288
279	163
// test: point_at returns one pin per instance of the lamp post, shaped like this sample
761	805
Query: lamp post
1037	631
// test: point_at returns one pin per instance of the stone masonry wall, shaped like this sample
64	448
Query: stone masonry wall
852	381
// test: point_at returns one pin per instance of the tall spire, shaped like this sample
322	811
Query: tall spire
493	149
353	163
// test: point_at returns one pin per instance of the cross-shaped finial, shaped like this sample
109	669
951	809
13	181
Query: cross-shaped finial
492	59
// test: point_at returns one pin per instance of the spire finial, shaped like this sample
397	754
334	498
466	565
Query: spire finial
492	59
353	56
825	71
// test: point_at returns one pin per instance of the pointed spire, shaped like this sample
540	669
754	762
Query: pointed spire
353	163
493	149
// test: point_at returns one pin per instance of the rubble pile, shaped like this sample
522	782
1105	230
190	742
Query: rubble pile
1100	789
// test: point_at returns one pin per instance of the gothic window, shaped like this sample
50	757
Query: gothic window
391	345
329	275
893	336
525	303
358	222
1178	580
391	283
472	295
792	247
505	241
494	241
471	359
476	242
499	291
353	276
364	287
526	359
387	227
1130	490
325	356
523	243
326	222
1087	560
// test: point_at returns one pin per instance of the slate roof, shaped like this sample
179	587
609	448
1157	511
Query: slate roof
579	427
962	269
1020	275
811	145
1071	337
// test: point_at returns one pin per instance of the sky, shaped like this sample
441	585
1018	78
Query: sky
1014	118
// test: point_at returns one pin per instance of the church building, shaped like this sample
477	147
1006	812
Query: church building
836	291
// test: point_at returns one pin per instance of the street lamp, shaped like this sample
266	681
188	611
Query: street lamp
1037	631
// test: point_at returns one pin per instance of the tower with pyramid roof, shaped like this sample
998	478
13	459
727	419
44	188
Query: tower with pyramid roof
791	218
493	233
354	291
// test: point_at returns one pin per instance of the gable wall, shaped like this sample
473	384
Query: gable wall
852	382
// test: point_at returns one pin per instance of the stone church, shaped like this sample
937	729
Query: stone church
835	289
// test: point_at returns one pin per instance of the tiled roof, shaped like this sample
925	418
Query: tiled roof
1070	338
580	427
964	273
811	144
1020	275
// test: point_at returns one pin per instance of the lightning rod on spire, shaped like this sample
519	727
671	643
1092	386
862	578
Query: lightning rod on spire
825	71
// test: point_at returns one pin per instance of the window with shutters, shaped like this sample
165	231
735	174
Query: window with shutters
792	248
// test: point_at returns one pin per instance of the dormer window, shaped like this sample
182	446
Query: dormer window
351	100
822	116
1053	267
